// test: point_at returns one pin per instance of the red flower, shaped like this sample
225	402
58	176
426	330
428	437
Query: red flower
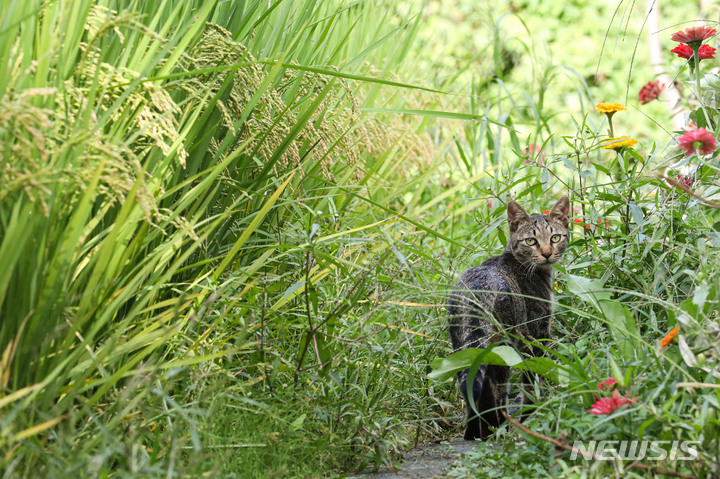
608	383
705	52
650	91
685	180
609	405
588	226
693	35
607	223
699	140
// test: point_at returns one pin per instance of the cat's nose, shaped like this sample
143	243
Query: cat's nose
547	254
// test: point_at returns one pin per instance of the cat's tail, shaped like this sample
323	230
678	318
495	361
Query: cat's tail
473	429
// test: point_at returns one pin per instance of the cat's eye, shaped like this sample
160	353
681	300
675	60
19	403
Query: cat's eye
531	241
555	238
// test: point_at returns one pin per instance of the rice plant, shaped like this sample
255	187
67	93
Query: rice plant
227	232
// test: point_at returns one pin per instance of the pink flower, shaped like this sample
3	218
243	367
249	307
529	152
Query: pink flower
649	92
609	405
700	141
705	52
693	35
532	152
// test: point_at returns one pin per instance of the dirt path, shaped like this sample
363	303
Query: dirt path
425	462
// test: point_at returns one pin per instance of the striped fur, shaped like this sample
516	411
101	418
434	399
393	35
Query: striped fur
498	297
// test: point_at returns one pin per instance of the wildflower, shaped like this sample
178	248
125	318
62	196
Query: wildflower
617	143
608	383
705	52
700	141
609	405
693	36
546	212
533	152
580	222
609	108
650	92
667	339
684	180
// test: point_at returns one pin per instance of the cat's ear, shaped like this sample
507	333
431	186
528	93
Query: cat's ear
516	215
561	211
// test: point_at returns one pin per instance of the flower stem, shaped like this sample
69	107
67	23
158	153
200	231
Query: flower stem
696	61
610	126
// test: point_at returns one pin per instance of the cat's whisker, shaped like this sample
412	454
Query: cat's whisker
531	271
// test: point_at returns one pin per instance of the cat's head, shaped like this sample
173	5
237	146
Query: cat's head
538	239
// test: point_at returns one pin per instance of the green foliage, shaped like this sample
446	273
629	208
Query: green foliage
228	230
641	263
184	230
495	354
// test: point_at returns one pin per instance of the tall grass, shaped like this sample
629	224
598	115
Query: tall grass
195	240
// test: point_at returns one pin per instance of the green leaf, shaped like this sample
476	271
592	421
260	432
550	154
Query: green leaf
622	325
698	117
616	372
500	355
437	114
293	288
590	290
297	423
637	214
350	76
686	353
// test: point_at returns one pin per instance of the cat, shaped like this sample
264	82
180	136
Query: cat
498	297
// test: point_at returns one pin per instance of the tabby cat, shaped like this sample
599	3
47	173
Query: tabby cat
498	297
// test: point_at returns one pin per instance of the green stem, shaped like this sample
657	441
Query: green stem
696	61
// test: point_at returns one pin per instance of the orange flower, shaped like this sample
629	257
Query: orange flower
618	143
609	108
666	340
